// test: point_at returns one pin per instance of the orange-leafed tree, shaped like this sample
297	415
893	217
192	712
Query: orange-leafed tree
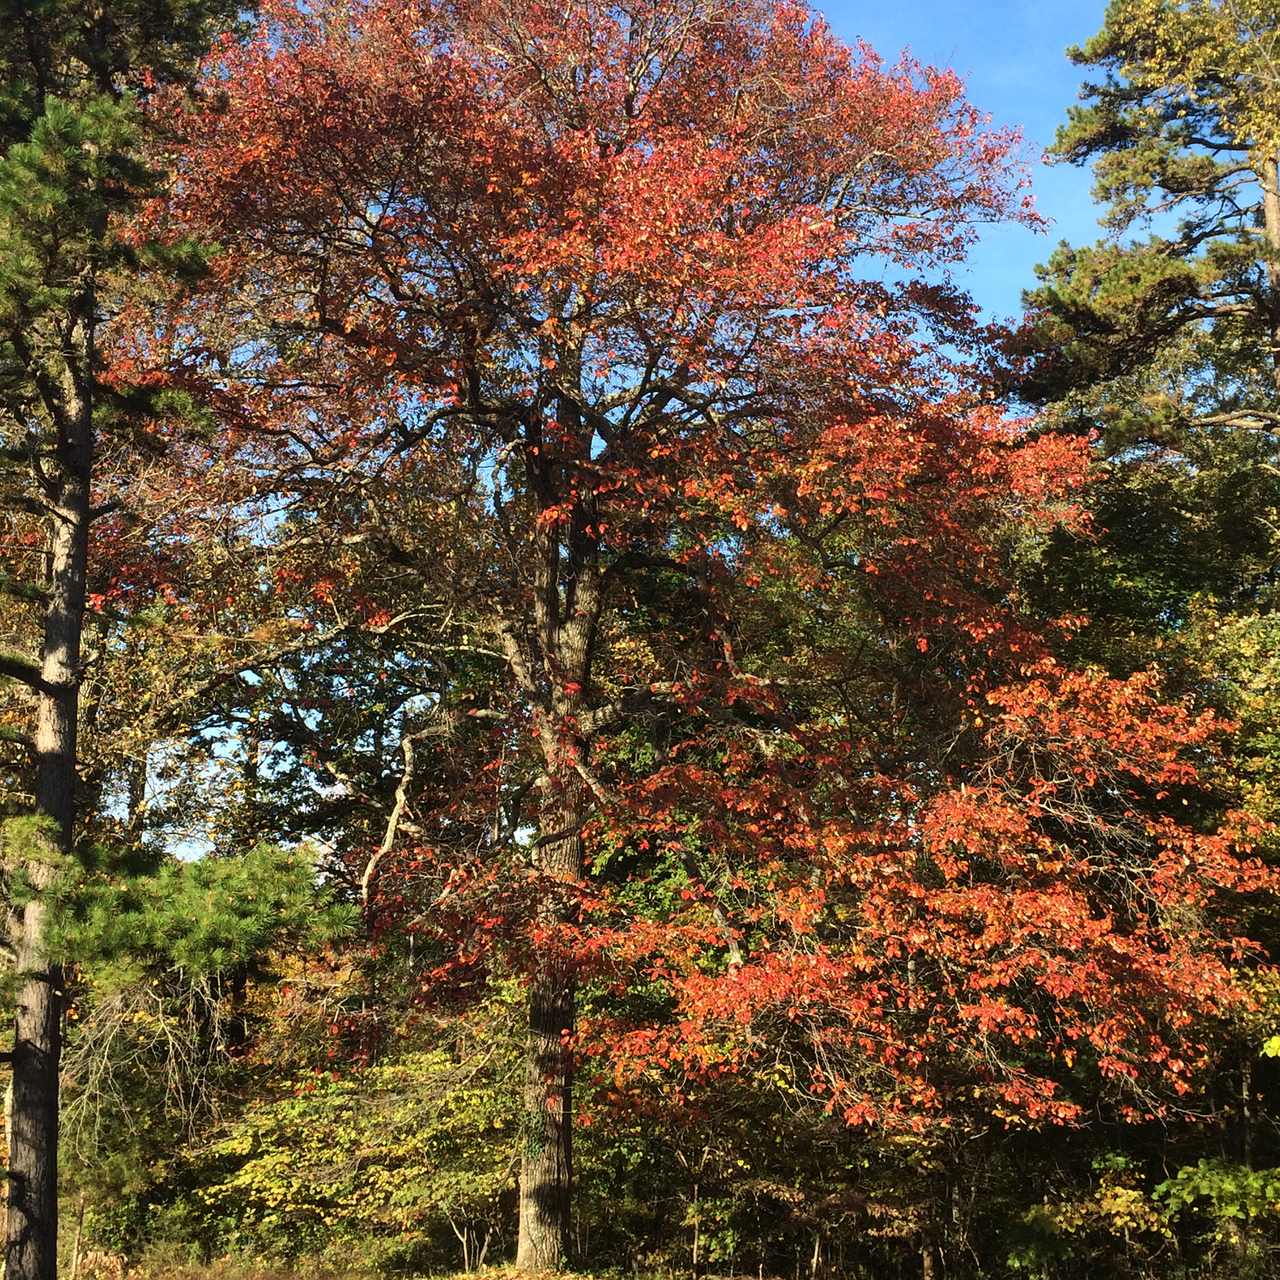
624	332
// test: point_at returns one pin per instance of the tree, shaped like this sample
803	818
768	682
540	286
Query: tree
1166	346
581	318
1184	126
70	75
163	963
1169	345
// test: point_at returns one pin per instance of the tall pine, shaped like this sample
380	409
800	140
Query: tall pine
1183	133
71	78
1164	336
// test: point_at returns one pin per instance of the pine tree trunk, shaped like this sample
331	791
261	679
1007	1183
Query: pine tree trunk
546	1164
1271	228
33	1141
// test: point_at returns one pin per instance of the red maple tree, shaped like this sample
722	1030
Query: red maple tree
627	332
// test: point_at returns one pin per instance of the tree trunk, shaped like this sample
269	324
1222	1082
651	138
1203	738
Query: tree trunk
1271	227
33	1142
566	597
546	1164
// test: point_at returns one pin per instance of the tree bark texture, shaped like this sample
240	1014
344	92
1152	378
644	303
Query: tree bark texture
33	1138
552	661
32	1252
1271	227
546	1163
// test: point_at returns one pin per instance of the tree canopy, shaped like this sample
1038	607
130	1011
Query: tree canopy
675	710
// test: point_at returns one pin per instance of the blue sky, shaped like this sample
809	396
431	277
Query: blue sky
1011	53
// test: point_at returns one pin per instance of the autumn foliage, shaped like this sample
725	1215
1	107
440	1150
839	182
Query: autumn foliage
600	370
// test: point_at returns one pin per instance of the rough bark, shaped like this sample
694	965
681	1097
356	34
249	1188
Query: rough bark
546	1164
1271	227
33	1140
566	601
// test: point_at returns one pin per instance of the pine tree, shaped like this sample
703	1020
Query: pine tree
1185	126
71	79
1164	337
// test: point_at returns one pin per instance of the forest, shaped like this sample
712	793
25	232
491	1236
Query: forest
569	703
